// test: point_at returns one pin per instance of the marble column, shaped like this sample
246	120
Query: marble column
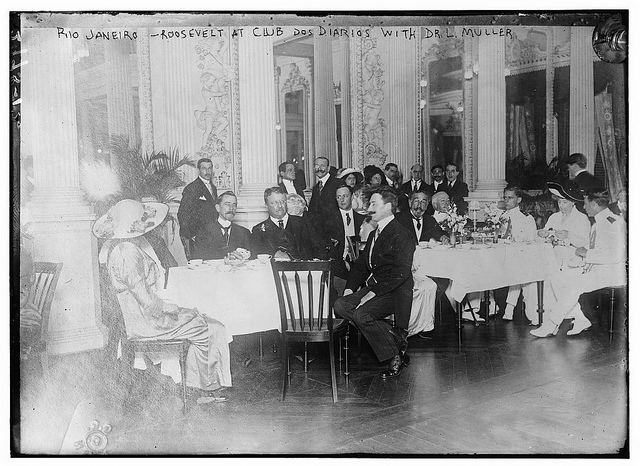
62	221
402	137
119	90
323	103
345	105
144	91
258	144
581	100
491	117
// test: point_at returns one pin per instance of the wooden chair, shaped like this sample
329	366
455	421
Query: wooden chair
131	346
41	296
146	345
305	315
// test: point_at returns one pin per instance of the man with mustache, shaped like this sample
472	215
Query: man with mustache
282	235
322	204
218	236
381	284
197	205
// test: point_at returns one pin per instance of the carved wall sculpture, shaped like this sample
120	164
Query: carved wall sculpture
213	117
369	96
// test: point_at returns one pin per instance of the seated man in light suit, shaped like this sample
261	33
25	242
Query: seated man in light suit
520	227
381	284
285	236
603	264
218	236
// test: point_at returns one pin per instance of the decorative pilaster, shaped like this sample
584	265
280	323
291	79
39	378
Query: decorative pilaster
491	116
61	220
550	117
323	104
469	111
581	103
345	105
401	74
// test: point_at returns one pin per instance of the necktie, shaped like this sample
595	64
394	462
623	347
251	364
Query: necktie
319	186
348	219
375	237
226	234
417	223
592	237
415	186
281	224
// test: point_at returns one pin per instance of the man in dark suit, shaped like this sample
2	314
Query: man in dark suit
381	284
285	236
217	237
456	189
424	227
416	183
577	168
437	180
342	232
197	205
287	171
322	204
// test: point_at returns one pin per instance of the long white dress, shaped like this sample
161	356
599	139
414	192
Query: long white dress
135	277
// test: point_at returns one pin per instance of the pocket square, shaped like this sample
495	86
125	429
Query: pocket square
202	198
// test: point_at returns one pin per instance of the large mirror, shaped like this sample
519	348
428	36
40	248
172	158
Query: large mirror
443	101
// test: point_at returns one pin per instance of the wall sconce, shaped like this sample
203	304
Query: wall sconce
423	83
278	127
468	74
423	103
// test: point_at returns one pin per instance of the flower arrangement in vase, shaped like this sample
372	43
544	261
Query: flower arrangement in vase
451	222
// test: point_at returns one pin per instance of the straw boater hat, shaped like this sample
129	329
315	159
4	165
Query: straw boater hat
567	192
344	172
130	219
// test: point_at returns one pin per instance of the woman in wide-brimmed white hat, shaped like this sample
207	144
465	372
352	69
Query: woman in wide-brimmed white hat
136	275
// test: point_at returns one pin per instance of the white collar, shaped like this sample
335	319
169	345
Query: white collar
384	222
452	182
286	181
580	171
285	219
345	212
224	222
206	182
324	178
603	214
389	180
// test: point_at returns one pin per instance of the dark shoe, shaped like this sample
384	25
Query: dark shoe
400	337
394	370
395	366
426	335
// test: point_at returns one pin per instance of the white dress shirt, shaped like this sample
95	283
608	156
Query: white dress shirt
523	227
284	219
288	185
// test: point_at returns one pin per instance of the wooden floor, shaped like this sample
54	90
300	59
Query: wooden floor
503	392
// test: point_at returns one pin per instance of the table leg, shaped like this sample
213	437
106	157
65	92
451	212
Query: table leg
487	304
540	301
260	349
459	314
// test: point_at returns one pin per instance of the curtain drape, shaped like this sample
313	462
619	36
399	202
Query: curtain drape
522	138
605	137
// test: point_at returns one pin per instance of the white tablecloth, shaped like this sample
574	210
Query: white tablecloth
486	267
242	298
